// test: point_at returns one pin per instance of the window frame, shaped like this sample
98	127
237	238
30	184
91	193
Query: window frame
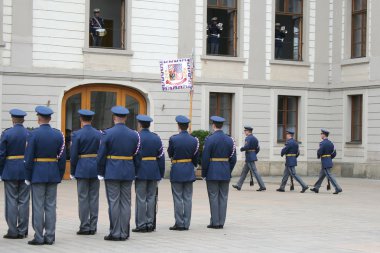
353	117
285	117
218	107
363	13
236	27
301	14
126	35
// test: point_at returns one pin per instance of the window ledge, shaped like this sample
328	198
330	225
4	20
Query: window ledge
355	61
222	58
356	143
92	50
290	63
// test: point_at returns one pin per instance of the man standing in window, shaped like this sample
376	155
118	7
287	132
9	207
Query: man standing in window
280	33
149	172
251	149
13	173
326	153
218	161
291	152
214	30
45	162
96	23
84	148
117	161
183	152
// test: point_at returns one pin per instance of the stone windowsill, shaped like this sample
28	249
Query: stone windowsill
290	63
354	143
222	58
93	50
355	61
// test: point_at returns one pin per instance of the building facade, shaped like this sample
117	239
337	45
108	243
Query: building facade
300	64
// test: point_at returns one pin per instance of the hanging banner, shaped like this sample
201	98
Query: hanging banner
176	74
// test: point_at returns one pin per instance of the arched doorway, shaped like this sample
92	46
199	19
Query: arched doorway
99	98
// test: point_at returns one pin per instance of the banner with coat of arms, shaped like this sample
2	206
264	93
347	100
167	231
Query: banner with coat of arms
176	74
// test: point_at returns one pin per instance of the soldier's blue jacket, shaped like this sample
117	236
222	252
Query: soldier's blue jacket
12	149
251	148
151	148
84	142
291	151
326	153
45	142
218	145
118	153
183	146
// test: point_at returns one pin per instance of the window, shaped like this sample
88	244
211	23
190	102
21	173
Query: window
221	105
359	28
222	27
288	30
108	15
287	116
356	117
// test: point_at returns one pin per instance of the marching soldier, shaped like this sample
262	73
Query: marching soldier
149	172
45	160
251	149
326	153
96	22
117	160
84	148
183	152
291	152
12	172
218	161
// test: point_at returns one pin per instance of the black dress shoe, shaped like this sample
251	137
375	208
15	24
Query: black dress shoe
140	230
337	192
221	226
261	189
123	238
111	238
314	190
8	236
149	229
81	232
92	232
304	189
280	190
177	228
22	236
236	187
35	242
48	243
213	227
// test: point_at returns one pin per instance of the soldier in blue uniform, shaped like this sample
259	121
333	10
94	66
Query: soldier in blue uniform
117	160
183	152
326	153
96	22
251	149
83	152
149	172
45	160
13	173
218	161
291	152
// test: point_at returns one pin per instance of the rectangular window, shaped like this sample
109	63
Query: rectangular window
287	116
359	28
222	27
221	105
356	117
288	30
107	24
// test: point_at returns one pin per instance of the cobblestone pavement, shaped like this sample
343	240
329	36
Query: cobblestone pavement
256	222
